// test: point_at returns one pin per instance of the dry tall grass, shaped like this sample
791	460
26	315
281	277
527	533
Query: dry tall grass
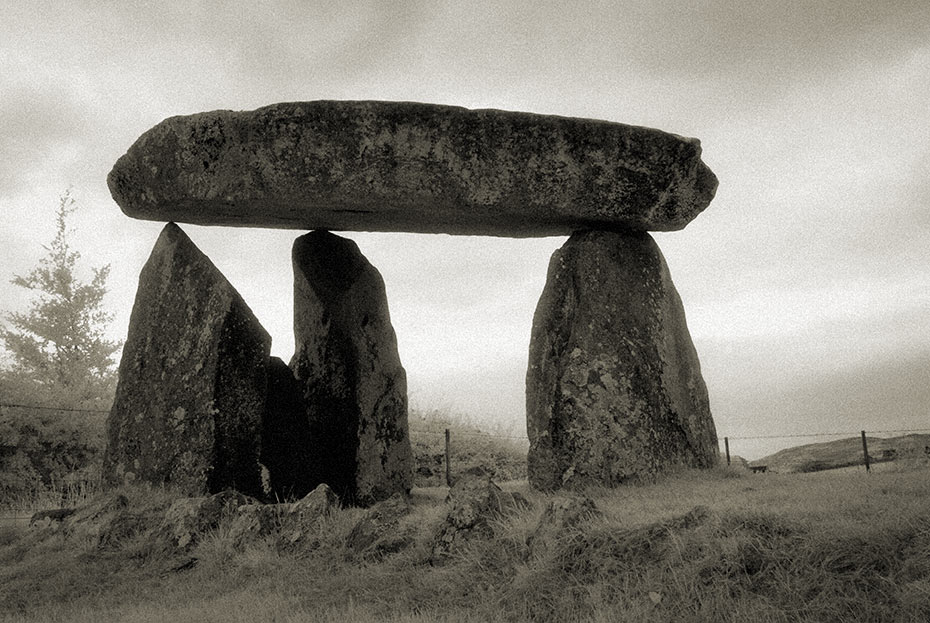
718	545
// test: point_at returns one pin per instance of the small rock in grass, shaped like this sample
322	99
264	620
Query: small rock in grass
256	521
474	501
375	534
189	518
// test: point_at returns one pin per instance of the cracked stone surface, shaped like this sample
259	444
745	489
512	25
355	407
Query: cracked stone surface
406	166
614	386
191	392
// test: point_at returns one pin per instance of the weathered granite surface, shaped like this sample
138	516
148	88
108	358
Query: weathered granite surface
614	387
191	390
346	360
404	166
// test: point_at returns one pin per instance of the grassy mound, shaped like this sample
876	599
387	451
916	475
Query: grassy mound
718	545
841	453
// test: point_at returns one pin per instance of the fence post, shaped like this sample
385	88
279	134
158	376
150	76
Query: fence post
726	444
448	461
865	453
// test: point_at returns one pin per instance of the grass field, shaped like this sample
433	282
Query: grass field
718	545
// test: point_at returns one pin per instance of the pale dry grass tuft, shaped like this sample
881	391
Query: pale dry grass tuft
717	545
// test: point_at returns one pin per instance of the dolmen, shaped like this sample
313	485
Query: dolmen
614	388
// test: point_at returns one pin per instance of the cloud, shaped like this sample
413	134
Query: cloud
813	257
42	125
770	43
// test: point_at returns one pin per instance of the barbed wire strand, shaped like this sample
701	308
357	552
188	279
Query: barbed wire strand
798	435
523	437
44	408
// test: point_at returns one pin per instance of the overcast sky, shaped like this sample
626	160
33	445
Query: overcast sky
806	282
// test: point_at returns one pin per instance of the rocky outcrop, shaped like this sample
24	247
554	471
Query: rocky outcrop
614	388
354	387
191	392
403	166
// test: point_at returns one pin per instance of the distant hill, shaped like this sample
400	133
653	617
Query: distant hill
844	452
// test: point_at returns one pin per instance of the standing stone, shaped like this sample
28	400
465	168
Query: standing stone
190	397
614	387
354	387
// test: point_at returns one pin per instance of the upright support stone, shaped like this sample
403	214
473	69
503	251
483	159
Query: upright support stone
355	389
614	387
191	391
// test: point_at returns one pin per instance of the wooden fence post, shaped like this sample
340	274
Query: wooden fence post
448	461
726	444
865	453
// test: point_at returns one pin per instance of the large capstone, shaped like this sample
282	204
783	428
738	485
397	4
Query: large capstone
614	386
354	387
403	166
191	391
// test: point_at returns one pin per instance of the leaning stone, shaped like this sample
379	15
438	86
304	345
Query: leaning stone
614	386
190	397
474	502
287	450
404	166
355	389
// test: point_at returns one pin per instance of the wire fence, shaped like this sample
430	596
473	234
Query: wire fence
46	408
477	433
460	430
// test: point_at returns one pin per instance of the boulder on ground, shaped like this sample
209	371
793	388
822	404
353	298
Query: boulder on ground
191	392
404	166
614	386
320	502
189	519
253	522
474	502
290	525
303	519
378	532
354	387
